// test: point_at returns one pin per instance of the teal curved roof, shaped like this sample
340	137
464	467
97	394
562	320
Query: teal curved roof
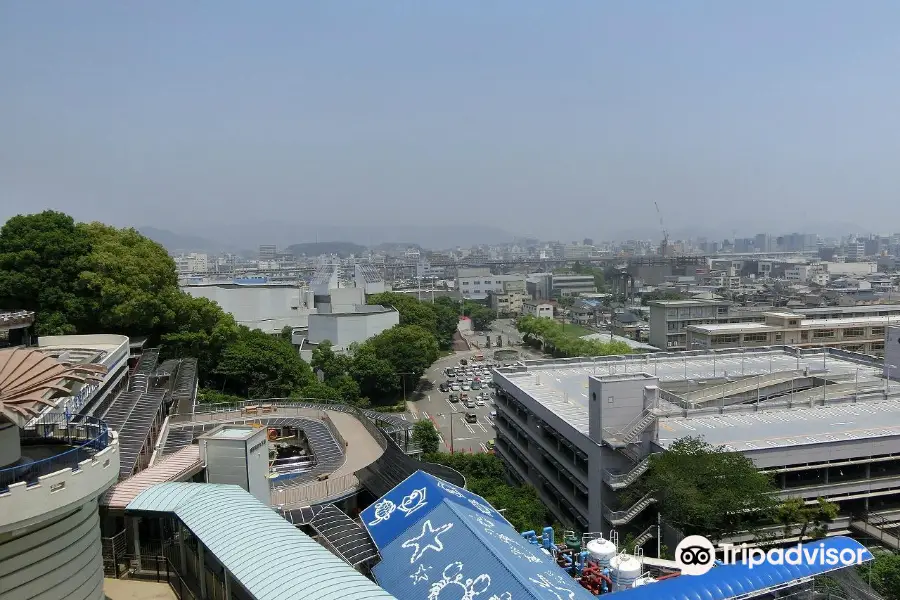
271	558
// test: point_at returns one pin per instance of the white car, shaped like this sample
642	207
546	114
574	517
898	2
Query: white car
493	414
479	401
455	387
466	387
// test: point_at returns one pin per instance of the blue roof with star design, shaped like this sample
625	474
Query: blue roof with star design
433	535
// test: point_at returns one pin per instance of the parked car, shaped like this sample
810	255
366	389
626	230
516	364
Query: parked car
455	387
471	417
479	401
466	387
444	387
493	414
476	385
469	404
454	398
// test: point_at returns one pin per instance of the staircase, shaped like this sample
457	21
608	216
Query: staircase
630	434
645	536
618	481
623	517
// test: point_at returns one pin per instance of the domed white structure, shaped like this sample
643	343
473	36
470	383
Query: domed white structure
602	550
624	570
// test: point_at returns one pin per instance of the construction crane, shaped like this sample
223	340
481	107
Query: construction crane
664	245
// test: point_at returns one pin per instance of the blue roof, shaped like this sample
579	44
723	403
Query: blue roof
730	581
433	534
271	558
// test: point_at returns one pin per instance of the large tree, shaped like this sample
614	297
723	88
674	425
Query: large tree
409	349
258	365
378	380
706	490
553	338
812	519
41	258
438	318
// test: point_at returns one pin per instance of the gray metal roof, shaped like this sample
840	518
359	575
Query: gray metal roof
269	557
746	432
561	385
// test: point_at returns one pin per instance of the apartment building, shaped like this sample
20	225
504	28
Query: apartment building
812	273
669	319
582	430
854	334
192	263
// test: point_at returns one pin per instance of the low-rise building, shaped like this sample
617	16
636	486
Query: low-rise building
509	300
669	319
538	309
356	326
858	334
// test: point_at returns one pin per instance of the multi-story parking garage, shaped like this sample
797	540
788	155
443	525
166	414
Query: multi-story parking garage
581	430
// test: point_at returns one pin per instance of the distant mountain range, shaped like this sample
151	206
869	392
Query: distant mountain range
176	242
342	249
285	235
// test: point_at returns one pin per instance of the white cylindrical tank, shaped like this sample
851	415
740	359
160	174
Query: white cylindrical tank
601	551
624	570
642	581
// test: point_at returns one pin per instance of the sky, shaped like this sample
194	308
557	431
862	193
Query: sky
561	120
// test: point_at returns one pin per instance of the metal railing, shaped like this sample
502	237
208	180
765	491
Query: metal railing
315	492
621	517
85	435
620	480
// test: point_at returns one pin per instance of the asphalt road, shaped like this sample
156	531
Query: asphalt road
430	403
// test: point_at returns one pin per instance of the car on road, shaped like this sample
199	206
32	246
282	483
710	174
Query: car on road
471	417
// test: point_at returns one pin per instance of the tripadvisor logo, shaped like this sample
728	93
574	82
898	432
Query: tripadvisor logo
696	555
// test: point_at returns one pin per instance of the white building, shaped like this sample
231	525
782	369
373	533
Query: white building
192	263
811	273
368	279
476	284
538	309
356	326
268	307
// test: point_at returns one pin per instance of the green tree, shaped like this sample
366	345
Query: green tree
198	328
480	314
439	318
662	295
125	282
378	380
813	520
287	334
331	364
553	338
425	436
884	573
41	257
409	349
705	490
486	476
258	365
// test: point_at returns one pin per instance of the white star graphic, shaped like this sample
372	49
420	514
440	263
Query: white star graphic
435	544
420	575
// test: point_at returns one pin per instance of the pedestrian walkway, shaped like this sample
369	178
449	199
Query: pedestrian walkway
132	589
362	449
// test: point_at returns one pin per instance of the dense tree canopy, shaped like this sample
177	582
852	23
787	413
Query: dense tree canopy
884	573
485	476
704	490
437	319
553	338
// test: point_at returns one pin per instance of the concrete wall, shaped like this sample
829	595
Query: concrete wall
892	353
10	449
58	559
342	329
251	304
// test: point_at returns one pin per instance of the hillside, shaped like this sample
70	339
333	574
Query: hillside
342	249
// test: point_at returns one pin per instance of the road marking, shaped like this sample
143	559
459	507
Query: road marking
425	414
483	448
403	417
464	439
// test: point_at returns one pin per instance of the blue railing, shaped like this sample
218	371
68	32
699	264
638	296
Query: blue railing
85	436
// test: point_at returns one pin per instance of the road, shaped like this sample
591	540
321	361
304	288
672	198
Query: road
428	402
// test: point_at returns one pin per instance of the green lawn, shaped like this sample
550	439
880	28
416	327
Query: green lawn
576	330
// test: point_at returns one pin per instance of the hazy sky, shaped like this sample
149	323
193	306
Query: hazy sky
560	119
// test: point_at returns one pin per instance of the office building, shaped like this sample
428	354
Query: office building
823	423
477	284
509	300
572	285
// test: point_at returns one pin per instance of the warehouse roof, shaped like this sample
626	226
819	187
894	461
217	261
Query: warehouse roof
268	556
